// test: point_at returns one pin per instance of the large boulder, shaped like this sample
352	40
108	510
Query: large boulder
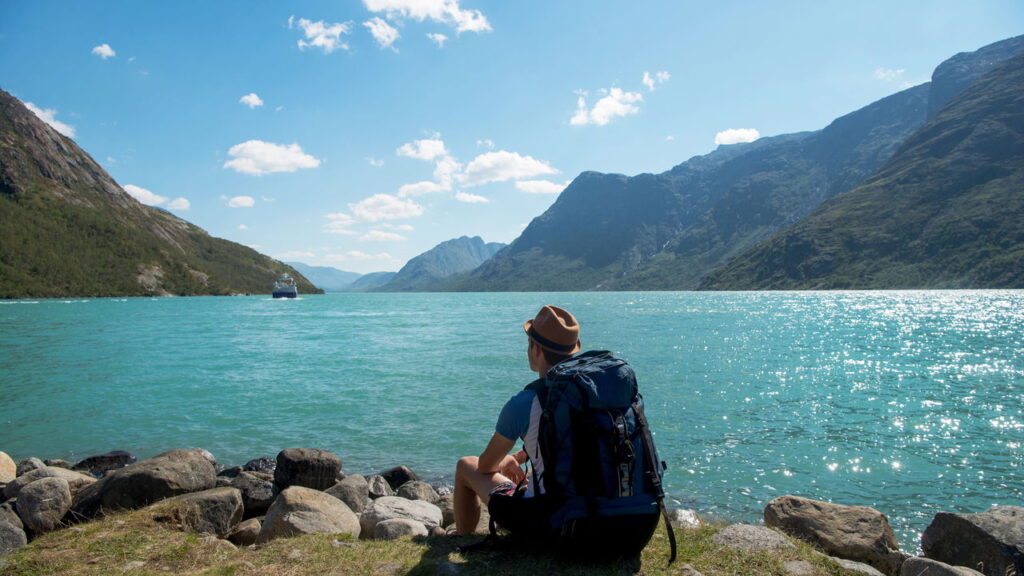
990	539
398	527
76	480
299	510
751	538
246	533
917	566
102	463
214	511
855	533
29	464
8	469
398	475
57	463
43	503
446	502
354	491
261	464
379	487
416	490
257	493
165	475
388	507
11	538
307	467
9	515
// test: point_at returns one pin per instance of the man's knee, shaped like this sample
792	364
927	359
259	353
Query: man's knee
467	464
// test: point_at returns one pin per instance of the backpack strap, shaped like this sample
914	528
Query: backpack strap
655	475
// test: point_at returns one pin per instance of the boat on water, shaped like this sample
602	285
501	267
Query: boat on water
285	287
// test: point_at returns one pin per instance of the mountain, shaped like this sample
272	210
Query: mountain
960	71
670	230
68	229
946	212
326	278
665	231
442	262
368	282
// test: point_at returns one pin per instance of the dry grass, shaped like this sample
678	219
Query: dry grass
144	542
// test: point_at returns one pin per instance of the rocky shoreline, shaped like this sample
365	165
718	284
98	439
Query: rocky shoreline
304	490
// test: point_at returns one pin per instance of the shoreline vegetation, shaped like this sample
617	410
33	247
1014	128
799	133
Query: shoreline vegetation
181	512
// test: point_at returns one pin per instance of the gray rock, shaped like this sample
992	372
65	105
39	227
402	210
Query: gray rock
798	568
852	532
917	566
262	464
29	464
379	487
307	467
10	515
222	481
76	481
8	469
11	538
416	490
218	545
398	476
751	538
684	518
43	503
854	566
102	463
354	491
257	493
246	533
169	474
208	455
688	570
990	539
388	507
396	528
230	473
57	463
446	502
299	510
217	510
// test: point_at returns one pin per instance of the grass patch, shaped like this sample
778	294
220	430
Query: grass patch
138	543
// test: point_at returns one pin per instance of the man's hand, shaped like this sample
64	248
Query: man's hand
510	469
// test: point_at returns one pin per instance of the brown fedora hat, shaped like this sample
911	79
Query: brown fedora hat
554	329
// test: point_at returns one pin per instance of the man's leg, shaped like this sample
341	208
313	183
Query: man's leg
471	488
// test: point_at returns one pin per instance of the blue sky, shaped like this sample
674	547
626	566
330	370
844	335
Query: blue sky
357	134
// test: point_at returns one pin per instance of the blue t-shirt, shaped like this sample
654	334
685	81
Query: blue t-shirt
514	419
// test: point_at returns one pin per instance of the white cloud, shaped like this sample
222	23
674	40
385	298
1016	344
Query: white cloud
179	204
243	227
426	149
540	187
50	117
380	236
419	188
616	103
485	143
251	100
376	163
385	207
339	224
438	39
104	51
145	196
402	227
470	198
257	157
242	202
888	74
356	255
445	170
383	33
737	135
670	138
658	78
501	166
320	34
295	255
441	11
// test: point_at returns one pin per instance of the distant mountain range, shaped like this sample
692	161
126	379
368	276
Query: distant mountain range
674	230
946	212
68	229
326	278
440	264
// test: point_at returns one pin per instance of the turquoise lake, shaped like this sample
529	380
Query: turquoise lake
910	402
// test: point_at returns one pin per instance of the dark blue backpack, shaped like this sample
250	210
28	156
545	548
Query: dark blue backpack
602	476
